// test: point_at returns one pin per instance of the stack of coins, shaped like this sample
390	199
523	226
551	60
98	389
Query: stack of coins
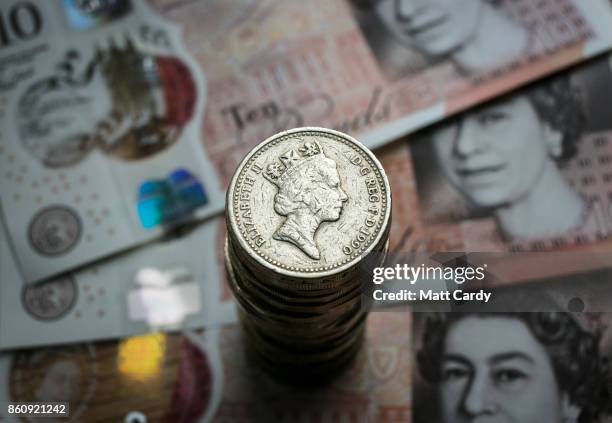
308	214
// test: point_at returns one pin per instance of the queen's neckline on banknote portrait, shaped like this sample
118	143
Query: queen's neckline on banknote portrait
308	203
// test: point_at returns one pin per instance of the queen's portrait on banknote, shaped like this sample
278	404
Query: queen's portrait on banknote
504	158
475	35
545	368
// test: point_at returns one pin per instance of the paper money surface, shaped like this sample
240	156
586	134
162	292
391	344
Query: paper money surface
207	376
211	379
349	65
169	285
156	377
530	172
100	147
376	387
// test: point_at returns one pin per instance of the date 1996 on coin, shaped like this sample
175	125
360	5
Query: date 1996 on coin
38	409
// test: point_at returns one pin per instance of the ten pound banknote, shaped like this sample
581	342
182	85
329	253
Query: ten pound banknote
100	142
529	172
446	367
82	179
535	353
375	69
209	377
168	285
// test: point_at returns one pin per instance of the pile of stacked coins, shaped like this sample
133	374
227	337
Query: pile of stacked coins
308	216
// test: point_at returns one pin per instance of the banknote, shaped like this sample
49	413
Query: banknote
170	285
500	363
210	379
100	147
375	69
149	378
376	387
529	172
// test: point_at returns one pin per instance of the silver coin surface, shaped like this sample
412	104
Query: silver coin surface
54	230
309	203
50	300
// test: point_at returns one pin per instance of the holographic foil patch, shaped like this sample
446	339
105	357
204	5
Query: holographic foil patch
162	202
87	14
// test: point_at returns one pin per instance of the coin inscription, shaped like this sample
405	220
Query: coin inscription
309	201
54	230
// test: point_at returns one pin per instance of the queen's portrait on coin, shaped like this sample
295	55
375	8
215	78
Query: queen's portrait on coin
505	159
309	193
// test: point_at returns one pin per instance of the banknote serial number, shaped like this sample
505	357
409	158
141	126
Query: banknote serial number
38	409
